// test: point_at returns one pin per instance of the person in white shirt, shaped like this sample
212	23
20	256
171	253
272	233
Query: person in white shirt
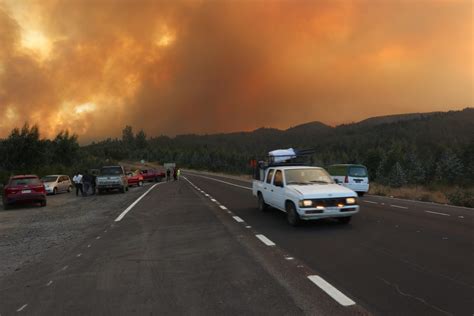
77	179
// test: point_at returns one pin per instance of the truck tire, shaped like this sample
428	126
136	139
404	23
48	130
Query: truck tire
344	220
291	214
262	206
43	203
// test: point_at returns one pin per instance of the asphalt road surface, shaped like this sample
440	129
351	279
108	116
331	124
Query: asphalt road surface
164	249
396	257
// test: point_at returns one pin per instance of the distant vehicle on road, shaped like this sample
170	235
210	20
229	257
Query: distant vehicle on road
152	175
354	177
304	193
135	178
24	189
57	183
112	178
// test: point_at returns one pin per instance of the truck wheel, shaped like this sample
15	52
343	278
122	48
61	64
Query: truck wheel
43	203
344	220
262	206
291	214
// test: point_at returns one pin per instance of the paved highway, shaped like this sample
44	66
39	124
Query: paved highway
165	249
396	257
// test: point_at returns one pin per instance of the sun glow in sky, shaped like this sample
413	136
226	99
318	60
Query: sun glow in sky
187	66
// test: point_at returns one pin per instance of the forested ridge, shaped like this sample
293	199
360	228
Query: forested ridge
431	148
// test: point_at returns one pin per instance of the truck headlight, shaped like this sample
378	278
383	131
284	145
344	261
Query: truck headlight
351	200
306	203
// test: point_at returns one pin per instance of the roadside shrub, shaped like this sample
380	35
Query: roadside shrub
461	197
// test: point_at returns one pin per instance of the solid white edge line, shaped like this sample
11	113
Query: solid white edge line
337	295
235	185
398	206
122	215
22	308
437	213
238	219
265	240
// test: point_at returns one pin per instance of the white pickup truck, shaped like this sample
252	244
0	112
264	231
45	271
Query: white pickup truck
304	193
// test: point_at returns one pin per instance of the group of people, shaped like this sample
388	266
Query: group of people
176	174
84	183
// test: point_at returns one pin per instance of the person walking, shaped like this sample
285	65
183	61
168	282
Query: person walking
168	175
175	174
179	173
93	183
77	179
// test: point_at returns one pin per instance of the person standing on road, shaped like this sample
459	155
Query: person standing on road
175	174
77	179
86	182
93	183
168	175
179	173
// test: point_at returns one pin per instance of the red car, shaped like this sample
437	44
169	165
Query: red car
152	175
135	179
24	189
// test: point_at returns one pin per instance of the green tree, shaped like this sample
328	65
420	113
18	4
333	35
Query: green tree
397	177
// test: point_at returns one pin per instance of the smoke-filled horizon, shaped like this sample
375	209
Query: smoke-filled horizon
177	67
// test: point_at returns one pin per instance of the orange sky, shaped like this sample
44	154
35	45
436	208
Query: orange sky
199	66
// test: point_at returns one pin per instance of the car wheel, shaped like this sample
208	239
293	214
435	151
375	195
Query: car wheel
69	189
140	184
262	206
344	220
361	194
6	206
43	203
122	190
292	216
55	191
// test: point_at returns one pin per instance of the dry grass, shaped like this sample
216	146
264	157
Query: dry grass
418	193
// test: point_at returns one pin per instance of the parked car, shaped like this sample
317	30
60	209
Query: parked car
304	193
354	177
135	178
112	178
24	189
152	175
57	183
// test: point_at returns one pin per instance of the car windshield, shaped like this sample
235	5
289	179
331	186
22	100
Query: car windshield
49	179
25	181
307	176
358	172
111	171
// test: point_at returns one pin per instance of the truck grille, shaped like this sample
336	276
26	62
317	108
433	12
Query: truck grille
329	202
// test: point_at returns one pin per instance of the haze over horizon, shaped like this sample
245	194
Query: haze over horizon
180	67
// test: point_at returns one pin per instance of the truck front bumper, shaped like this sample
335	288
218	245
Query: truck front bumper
327	212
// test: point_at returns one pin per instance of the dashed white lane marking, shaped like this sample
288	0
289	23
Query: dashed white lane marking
49	283
398	206
437	213
89	245
235	185
65	268
337	295
289	258
461	216
22	308
223	207
371	202
121	216
265	240
214	200
98	237
79	255
238	219
248	226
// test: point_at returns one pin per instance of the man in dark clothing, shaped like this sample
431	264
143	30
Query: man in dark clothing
86	183
168	175
93	183
175	174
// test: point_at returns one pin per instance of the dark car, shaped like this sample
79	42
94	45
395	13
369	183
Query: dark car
24	189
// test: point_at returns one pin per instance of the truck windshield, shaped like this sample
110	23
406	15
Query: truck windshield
111	171
307	176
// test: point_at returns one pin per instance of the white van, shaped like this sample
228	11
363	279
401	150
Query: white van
354	177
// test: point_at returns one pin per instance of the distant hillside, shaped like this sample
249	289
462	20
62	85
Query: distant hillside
377	120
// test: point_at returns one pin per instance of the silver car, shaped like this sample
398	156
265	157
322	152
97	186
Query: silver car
57	183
